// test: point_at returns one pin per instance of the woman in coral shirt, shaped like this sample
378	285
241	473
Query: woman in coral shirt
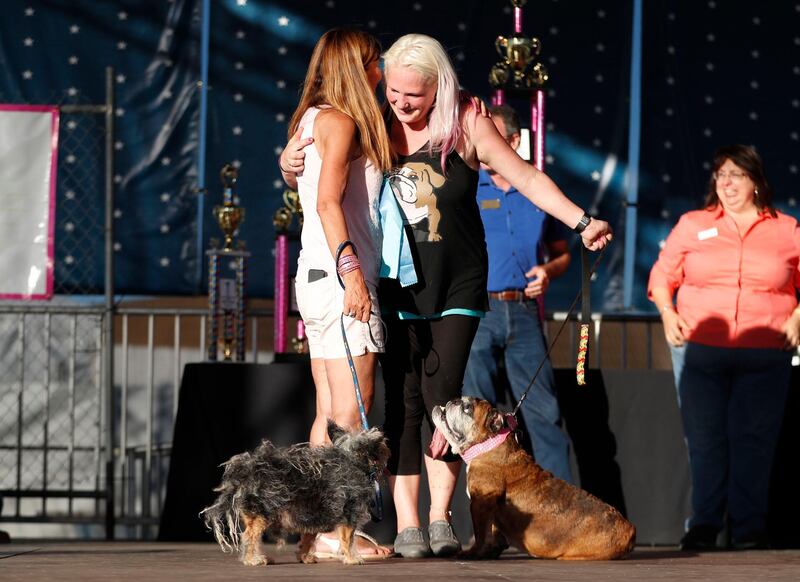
735	267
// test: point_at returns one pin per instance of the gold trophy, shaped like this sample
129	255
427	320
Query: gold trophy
517	53
282	219
226	277
229	215
517	50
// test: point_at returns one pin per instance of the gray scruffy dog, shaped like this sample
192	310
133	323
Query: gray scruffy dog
298	489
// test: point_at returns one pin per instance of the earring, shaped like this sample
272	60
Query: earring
756	192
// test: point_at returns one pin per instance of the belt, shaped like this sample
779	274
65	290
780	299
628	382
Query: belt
510	295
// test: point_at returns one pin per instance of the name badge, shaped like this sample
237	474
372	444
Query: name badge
492	204
708	233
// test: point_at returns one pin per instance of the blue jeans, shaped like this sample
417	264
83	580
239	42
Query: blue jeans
732	402
514	328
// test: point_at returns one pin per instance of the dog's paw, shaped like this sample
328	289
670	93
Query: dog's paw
256	560
353	560
307	558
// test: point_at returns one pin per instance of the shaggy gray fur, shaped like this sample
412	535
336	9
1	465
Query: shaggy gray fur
301	488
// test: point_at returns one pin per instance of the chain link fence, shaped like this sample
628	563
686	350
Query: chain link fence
50	396
80	202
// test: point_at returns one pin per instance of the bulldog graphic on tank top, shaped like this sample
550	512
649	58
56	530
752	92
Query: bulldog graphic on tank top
443	224
414	185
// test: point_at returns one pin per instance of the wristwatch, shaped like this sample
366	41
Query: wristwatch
582	223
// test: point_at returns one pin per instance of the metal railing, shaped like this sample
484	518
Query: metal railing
154	346
52	427
151	347
53	435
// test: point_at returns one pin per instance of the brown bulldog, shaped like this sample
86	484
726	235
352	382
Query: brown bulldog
511	496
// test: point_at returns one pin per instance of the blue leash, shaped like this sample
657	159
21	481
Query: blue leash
361	410
377	506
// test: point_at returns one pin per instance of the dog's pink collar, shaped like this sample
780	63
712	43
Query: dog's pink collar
485	446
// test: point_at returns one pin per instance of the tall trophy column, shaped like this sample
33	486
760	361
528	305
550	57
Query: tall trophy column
227	273
520	73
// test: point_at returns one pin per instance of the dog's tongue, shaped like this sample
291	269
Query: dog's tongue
438	446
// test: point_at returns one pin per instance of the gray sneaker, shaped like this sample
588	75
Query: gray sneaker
410	543
443	540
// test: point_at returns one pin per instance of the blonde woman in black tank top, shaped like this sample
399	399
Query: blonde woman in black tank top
439	140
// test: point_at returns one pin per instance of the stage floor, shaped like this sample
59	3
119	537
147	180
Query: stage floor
122	561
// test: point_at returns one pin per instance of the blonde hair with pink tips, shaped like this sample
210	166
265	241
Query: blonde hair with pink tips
427	57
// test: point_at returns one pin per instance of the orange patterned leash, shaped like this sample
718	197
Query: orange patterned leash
583	353
586	318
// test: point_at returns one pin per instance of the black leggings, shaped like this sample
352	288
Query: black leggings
423	367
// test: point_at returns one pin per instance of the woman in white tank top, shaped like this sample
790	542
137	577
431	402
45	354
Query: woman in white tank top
339	188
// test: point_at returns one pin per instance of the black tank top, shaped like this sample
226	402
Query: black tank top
443	223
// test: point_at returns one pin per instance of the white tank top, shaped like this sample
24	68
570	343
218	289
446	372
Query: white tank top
359	203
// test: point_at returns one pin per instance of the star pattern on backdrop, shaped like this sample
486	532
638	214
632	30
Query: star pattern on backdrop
64	57
710	76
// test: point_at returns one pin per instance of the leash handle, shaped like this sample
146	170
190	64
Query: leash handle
583	354
586	318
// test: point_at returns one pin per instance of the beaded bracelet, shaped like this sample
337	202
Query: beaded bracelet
347	259
346	264
338	258
344	259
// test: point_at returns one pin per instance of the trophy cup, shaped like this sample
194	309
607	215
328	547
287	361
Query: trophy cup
226	277
518	70
282	219
229	215
517	53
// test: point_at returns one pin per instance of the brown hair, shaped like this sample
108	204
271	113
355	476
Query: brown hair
746	158
337	77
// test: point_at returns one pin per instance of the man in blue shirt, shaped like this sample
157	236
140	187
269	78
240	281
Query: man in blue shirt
519	236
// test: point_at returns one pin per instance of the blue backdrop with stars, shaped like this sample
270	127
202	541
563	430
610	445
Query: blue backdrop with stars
714	72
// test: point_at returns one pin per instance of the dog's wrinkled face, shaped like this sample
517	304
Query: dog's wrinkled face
467	421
